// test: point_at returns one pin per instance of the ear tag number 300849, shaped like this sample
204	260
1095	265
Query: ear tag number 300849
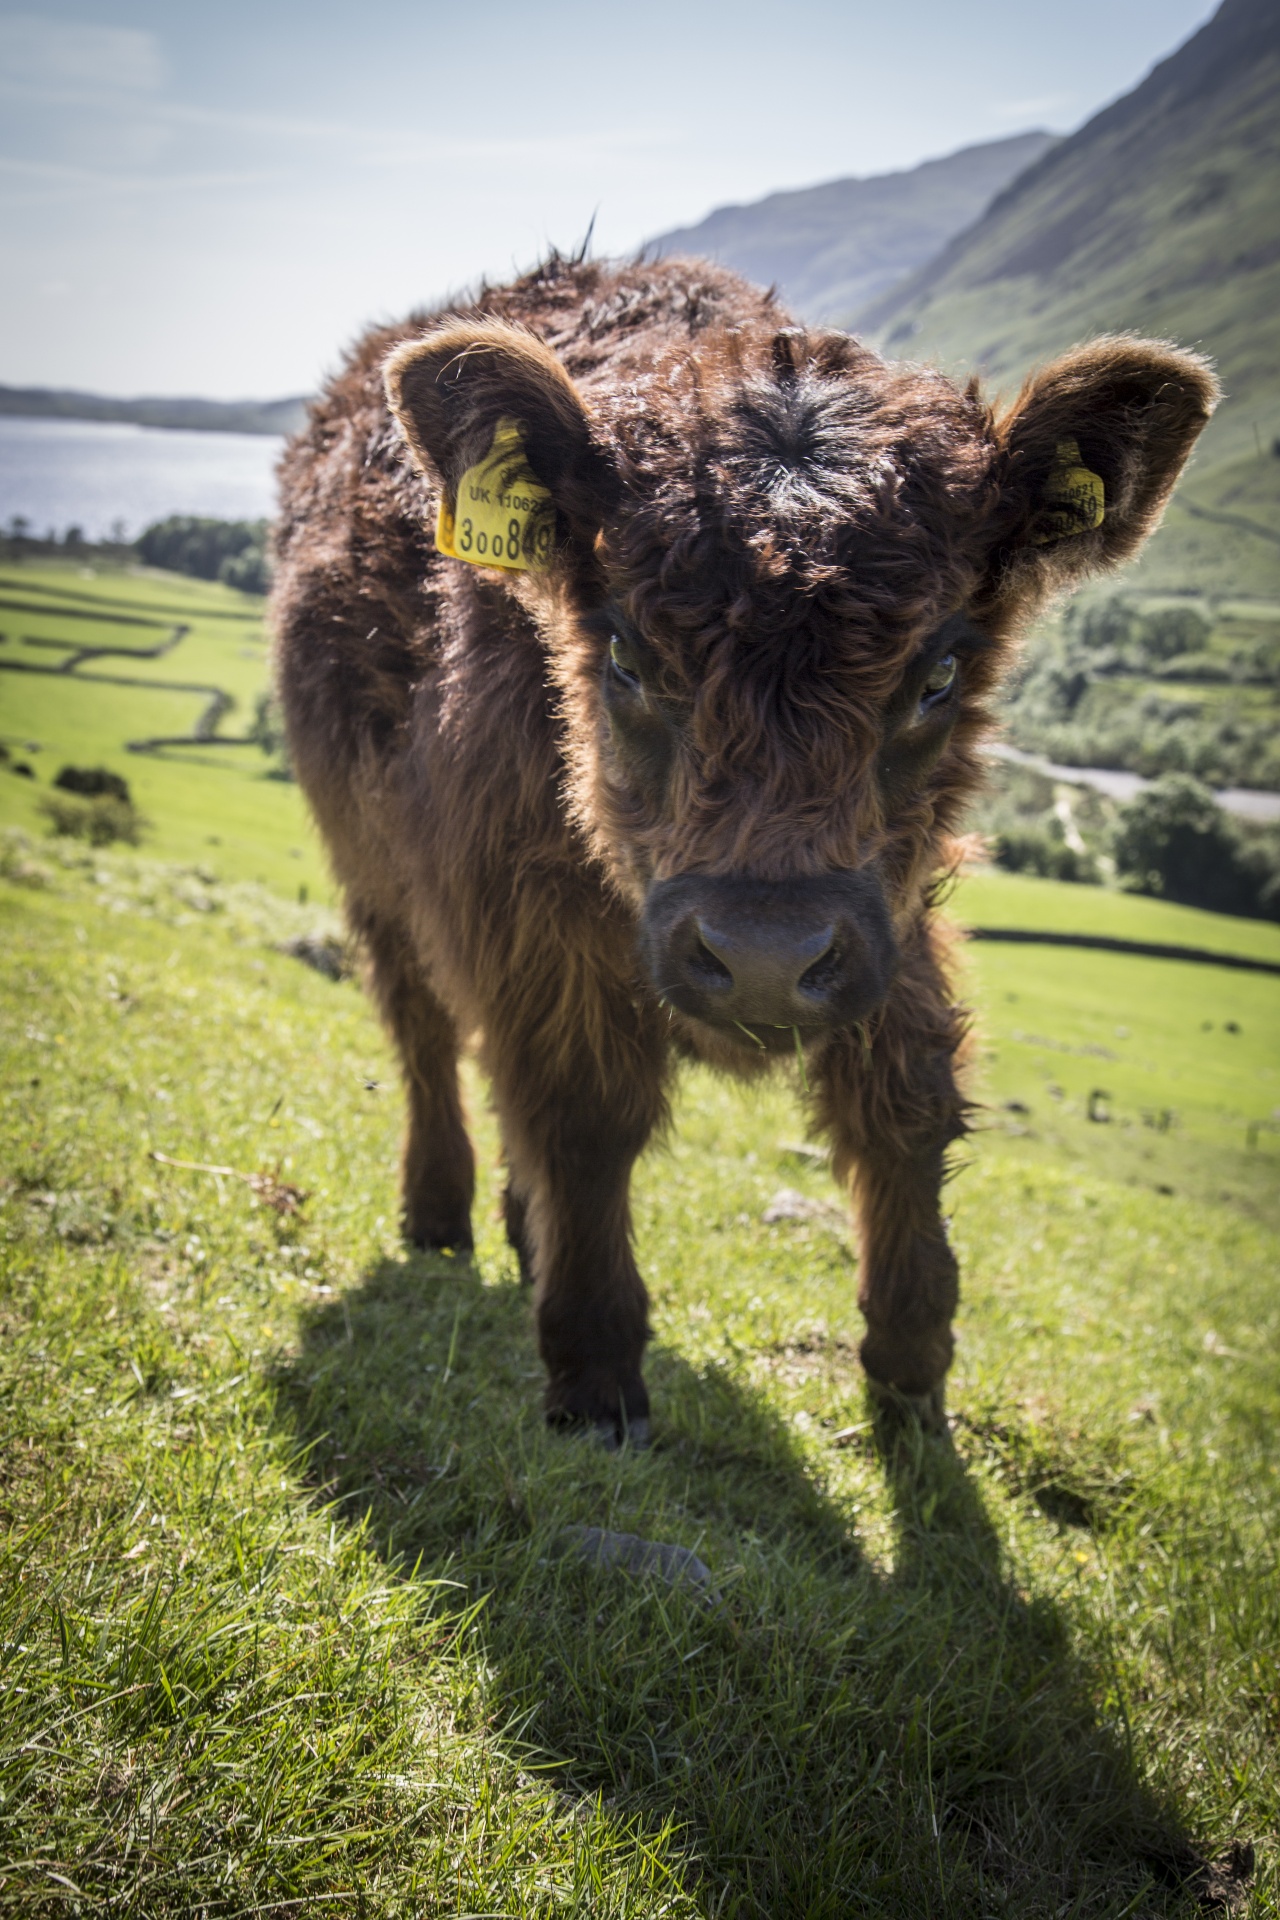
502	515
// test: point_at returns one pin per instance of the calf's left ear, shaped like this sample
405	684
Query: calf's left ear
1091	449
490	410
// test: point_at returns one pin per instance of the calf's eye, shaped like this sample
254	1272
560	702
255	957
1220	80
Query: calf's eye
624	663
942	677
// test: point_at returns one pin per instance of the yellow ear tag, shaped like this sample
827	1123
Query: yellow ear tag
1075	498
502	516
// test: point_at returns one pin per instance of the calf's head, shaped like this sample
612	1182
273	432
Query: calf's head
777	579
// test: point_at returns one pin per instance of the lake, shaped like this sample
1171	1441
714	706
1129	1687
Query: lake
93	474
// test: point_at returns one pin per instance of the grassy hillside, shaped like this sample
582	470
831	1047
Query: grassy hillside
288	1611
292	1615
1154	1073
986	897
1157	216
223	807
832	248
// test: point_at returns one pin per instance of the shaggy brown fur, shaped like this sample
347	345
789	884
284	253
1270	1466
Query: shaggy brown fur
778	536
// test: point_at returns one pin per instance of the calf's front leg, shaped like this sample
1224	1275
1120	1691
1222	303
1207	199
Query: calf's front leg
892	1106
573	1134
909	1282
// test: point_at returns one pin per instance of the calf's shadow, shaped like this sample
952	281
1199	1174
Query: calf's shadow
842	1730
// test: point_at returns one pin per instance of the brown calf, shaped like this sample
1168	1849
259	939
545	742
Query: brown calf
675	776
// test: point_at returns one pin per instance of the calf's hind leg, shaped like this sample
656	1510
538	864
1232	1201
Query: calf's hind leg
438	1167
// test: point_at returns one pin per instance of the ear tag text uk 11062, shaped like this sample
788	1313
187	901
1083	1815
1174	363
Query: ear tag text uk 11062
502	515
1075	500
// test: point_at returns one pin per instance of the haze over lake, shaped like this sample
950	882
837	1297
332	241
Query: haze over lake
92	474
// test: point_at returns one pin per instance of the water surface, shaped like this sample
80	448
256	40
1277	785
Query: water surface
102	476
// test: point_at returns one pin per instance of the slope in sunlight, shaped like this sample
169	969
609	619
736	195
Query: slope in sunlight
1159	216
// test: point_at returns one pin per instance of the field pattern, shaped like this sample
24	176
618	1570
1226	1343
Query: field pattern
94	662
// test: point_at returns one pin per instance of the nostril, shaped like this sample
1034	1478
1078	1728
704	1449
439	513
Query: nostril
824	976
707	967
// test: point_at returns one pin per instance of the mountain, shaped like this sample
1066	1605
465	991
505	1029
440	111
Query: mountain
830	249
205	416
1161	215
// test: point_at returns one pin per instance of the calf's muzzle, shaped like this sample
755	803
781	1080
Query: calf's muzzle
812	953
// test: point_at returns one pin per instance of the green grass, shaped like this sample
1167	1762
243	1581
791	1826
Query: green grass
219	807
987	897
1179	1063
1172	1083
285	1616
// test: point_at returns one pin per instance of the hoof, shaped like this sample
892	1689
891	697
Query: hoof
927	1409
610	1433
432	1241
615	1413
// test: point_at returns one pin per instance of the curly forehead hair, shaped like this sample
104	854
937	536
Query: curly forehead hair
791	481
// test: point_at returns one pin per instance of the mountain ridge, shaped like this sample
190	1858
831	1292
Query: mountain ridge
1158	217
1239	28
189	413
832	246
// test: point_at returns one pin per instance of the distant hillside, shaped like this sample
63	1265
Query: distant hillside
204	416
831	249
1161	215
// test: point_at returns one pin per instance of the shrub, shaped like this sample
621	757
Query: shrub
1175	841
1113	686
267	729
248	571
93	781
100	819
1172	631
1034	848
1019	817
1116	627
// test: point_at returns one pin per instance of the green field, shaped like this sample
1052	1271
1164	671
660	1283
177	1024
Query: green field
289	1618
1185	1058
218	807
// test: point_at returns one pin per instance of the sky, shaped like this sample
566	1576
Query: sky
215	198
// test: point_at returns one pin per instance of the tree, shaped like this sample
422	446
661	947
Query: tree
233	551
249	570
1175	840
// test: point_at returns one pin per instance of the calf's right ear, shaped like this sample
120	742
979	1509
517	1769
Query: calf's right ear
491	410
